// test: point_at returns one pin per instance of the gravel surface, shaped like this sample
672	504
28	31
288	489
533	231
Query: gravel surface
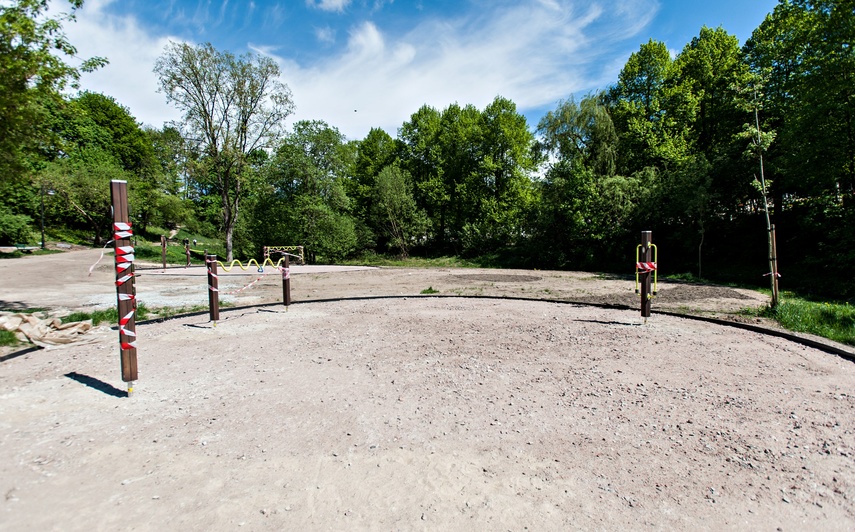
427	413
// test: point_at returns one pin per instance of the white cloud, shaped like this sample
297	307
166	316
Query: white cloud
132	52
325	35
329	5
534	52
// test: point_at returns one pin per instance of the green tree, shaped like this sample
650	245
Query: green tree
396	209
581	135
82	181
233	105
504	190
303	199
471	171
421	157
373	153
806	51
649	112
33	71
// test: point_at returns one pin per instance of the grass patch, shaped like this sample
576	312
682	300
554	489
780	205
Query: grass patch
30	253
8	338
429	290
376	259
835	321
151	251
24	310
110	315
168	312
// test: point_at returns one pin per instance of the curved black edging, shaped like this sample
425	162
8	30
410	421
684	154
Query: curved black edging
834	350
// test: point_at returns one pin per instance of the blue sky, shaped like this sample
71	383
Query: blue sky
358	64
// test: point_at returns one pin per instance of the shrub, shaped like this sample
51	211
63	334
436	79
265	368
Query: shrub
14	228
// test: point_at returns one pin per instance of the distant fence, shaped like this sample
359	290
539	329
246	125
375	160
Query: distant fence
296	251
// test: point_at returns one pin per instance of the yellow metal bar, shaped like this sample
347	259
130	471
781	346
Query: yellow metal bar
655	270
637	258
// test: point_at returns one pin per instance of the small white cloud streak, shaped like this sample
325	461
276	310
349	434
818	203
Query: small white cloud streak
325	35
328	5
534	53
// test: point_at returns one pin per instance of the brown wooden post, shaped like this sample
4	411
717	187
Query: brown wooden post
646	256
125	285
774	263
163	251
213	288
286	281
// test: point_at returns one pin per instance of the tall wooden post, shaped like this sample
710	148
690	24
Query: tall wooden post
163	251
125	284
286	281
213	288
646	256
773	263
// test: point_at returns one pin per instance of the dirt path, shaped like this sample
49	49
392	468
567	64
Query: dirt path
422	413
63	280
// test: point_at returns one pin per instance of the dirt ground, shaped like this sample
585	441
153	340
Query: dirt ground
418	413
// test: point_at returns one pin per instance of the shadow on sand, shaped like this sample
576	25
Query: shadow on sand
96	384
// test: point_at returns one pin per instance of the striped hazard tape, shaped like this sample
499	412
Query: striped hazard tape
213	275
124	321
645	266
125	344
122	230
124	253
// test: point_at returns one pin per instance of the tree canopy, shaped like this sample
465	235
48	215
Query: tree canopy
673	146
232	106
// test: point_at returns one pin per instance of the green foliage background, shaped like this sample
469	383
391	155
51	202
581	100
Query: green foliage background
672	146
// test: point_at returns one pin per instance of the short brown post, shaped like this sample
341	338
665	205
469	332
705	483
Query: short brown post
163	251
125	287
646	256
286	281
213	288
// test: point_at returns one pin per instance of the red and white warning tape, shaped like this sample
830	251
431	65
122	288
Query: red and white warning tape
124	321
214	275
286	274
239	290
124	254
122	230
127	332
645	266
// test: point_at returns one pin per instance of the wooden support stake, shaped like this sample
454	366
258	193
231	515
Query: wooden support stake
773	261
125	285
213	288
646	256
163	251
286	282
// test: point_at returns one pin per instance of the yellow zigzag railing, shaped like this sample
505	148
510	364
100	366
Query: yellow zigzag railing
259	267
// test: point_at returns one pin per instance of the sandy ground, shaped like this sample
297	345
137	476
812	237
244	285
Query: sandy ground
420	413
